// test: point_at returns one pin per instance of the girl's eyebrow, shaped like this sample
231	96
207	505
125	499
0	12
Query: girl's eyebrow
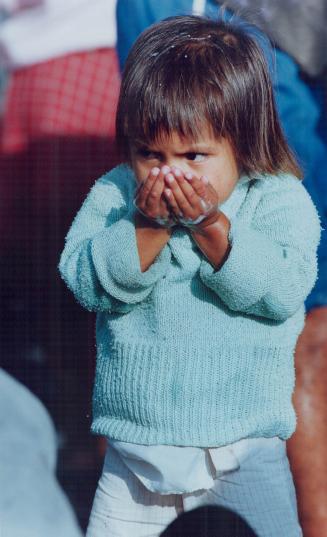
199	147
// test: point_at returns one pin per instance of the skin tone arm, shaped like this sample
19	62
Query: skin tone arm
150	236
307	447
151	239
212	239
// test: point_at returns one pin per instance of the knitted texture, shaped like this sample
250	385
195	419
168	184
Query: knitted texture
187	355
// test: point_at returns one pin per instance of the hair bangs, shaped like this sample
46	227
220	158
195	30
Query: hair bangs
176	95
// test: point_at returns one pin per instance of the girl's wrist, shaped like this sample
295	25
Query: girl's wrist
212	238
204	226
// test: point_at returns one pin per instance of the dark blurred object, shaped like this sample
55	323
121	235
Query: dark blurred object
209	521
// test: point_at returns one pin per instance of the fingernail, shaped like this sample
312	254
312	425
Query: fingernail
205	179
165	169
155	171
167	191
188	176
170	178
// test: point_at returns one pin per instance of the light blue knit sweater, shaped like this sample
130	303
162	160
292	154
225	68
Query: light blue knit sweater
187	355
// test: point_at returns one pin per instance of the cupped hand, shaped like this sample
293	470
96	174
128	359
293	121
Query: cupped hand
193	201
149	199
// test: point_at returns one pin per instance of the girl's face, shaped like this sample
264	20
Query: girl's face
208	156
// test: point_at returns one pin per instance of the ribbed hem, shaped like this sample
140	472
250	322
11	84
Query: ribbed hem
165	394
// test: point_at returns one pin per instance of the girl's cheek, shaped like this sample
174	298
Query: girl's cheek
141	171
217	185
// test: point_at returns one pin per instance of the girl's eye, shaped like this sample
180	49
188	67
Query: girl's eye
147	154
196	157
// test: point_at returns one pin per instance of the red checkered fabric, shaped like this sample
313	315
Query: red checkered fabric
74	95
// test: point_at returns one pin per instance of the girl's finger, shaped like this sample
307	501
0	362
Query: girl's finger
152	201
208	196
199	185
196	191
145	187
203	187
164	206
184	206
171	201
194	183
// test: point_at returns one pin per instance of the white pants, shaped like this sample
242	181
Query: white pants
261	491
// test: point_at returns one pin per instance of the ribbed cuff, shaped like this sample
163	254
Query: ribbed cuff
117	264
247	273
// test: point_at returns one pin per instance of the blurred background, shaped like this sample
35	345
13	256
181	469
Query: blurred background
59	83
59	89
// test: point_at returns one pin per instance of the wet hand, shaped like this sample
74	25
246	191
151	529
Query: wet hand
193	202
149	199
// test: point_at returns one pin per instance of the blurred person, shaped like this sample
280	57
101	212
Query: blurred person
57	133
32	503
298	30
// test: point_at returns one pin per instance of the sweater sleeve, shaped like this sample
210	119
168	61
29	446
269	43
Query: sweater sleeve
272	265
100	262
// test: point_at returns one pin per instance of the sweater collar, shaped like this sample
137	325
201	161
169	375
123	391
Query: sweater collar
231	206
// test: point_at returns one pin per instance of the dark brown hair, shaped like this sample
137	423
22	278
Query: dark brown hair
188	71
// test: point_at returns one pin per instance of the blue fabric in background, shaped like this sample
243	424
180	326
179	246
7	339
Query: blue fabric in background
303	115
133	16
300	105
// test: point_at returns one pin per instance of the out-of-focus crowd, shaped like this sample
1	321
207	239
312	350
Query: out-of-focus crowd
59	83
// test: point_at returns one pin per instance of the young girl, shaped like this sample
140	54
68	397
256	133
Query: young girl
197	255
